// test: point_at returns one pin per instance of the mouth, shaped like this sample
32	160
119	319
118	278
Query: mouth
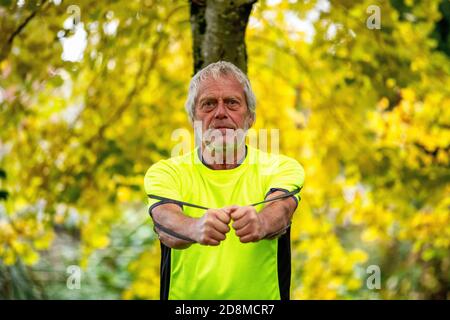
223	127
224	130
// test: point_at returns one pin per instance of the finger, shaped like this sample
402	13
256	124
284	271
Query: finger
248	238
211	238
239	213
216	235
223	216
244	231
212	242
230	209
241	223
221	227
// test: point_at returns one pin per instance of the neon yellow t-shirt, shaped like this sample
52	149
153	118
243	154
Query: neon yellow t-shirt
231	270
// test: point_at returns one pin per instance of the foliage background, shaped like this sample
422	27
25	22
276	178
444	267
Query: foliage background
366	112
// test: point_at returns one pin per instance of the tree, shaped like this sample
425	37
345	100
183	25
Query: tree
218	31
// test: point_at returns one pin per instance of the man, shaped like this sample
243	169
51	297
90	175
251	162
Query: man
233	250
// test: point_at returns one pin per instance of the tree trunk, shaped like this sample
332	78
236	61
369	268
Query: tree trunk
218	31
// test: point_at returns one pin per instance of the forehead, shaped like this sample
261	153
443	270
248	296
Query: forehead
224	85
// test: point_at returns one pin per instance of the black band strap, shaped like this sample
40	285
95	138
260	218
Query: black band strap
182	237
152	196
170	232
277	233
282	196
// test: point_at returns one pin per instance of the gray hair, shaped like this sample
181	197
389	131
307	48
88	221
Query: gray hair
216	70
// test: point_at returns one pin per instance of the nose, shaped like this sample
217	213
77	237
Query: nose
221	110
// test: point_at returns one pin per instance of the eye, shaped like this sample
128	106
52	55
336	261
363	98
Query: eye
208	104
232	103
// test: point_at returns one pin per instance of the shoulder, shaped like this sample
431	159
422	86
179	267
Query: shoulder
170	166
275	162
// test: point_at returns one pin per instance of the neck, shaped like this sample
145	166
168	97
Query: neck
223	159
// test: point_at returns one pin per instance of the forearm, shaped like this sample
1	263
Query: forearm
277	215
172	242
172	217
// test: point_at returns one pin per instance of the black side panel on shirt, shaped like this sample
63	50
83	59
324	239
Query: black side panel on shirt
284	264
284	257
165	259
165	272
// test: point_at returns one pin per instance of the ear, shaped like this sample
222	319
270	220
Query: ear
251	120
192	120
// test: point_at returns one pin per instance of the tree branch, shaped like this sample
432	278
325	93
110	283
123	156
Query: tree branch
25	22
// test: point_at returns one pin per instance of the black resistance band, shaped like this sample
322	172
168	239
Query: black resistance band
179	236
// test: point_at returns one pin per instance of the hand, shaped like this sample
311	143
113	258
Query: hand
249	226
212	227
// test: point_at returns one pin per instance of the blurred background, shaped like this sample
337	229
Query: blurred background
91	91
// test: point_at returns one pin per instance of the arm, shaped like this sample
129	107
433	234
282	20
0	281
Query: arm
251	226
171	216
277	215
210	229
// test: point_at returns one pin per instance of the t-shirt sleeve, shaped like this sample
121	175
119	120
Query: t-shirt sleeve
161	180
287	175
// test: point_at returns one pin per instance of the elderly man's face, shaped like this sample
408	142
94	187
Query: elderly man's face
221	105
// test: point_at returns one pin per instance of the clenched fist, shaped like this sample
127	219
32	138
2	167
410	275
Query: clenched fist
247	223
212	227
